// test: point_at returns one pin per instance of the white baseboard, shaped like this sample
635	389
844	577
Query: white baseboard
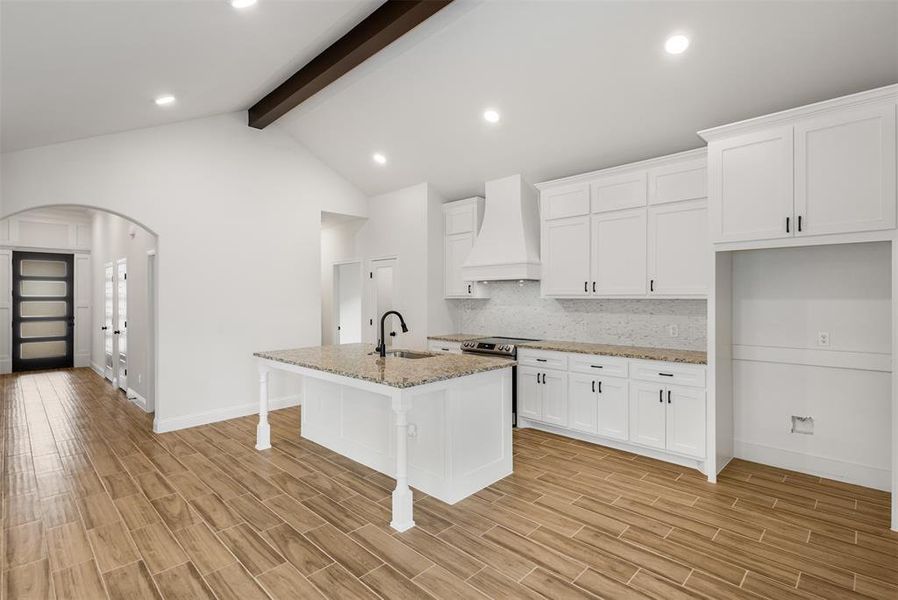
98	369
5	366
138	400
222	414
830	468
81	360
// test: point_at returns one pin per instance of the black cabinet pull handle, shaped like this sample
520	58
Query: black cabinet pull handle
799	223
651	285
585	286
104	328
117	332
593	287
542	360
661	396
600	387
787	224
537	378
666	374
469	288
593	387
544	379
597	366
668	396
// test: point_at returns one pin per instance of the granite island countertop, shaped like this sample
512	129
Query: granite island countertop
357	361
457	337
694	357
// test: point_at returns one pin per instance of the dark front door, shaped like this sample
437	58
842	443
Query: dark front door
43	320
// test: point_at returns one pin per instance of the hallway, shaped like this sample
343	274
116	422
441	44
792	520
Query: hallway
95	505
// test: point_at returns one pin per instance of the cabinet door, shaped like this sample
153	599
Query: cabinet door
529	393
458	247
647	414
619	253
613	408
686	420
750	186
554	397
583	403
565	257
845	171
679	249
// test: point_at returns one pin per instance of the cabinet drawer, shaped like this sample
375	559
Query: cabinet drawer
668	373
442	346
598	366
542	359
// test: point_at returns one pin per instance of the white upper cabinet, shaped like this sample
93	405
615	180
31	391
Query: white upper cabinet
679	251
618	253
461	224
648	222
616	192
819	170
845	171
565	257
565	201
751	178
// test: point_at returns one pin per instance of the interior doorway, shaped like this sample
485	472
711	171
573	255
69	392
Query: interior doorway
383	277
348	302
43	321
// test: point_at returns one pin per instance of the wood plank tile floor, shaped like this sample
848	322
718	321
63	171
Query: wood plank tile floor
95	505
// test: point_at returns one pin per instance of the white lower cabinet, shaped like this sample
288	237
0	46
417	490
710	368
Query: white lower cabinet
686	420
444	346
642	409
542	395
598	405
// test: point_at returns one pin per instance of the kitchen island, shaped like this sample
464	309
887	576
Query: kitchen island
438	422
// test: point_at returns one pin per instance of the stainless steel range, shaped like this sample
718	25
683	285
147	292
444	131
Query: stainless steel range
506	347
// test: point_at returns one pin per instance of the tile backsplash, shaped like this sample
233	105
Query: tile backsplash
515	309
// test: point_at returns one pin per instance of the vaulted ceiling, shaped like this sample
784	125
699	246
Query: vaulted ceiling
579	85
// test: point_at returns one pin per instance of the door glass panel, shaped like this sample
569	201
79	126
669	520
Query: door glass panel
107	321
37	308
32	287
43	268
36	329
43	349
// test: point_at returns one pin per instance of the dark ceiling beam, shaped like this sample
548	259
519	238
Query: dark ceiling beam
385	25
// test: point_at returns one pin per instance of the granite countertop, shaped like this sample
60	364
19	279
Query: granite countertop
457	337
694	357
358	362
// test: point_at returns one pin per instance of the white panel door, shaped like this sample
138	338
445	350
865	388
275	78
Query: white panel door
554	397
384	282
121	322
679	250
108	323
582	402
565	257
686	420
750	186
845	171
613	408
458	247
529	392
619	253
647	414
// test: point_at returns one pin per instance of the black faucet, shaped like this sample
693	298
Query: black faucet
382	346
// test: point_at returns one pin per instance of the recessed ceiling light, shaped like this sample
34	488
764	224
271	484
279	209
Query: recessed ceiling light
165	100
242	3
491	116
676	44
379	158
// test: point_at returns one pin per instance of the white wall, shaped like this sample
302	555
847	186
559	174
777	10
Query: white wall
112	241
782	299
406	224
237	215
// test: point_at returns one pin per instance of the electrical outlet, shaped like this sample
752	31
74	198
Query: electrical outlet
803	425
673	330
823	338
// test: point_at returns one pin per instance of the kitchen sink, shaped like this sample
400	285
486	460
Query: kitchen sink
409	354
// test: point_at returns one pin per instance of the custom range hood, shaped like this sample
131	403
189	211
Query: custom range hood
508	244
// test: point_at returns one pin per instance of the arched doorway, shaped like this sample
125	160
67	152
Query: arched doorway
100	315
